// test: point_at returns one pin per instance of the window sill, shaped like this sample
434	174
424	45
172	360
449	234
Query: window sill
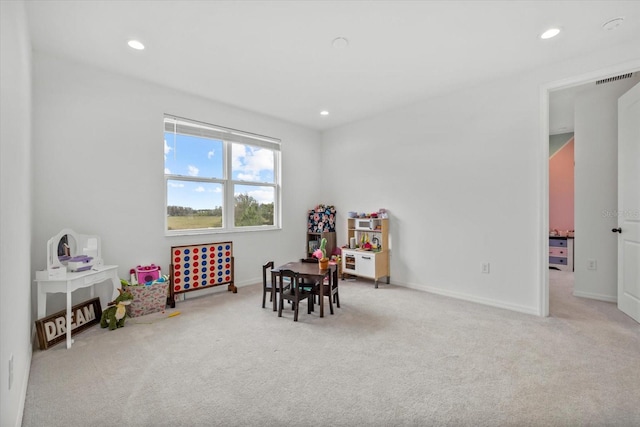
212	231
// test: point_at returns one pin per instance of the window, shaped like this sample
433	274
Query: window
219	179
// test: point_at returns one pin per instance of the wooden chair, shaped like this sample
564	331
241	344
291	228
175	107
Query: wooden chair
294	294
330	291
268	286
308	286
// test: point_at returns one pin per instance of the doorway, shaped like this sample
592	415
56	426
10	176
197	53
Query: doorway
570	83
561	200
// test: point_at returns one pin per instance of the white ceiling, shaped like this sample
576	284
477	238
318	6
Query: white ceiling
276	57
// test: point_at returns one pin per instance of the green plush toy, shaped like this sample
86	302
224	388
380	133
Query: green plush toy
116	313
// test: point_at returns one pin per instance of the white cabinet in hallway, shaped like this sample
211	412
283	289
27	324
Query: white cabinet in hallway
561	253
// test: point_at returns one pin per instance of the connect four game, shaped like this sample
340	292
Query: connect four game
196	267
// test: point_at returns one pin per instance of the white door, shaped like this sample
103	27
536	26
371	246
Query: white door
629	203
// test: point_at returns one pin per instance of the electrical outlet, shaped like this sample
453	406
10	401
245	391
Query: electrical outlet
485	268
592	264
10	371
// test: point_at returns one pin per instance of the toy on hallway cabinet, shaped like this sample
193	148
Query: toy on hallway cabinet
115	315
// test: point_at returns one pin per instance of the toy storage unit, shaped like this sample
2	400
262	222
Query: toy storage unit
321	223
147	299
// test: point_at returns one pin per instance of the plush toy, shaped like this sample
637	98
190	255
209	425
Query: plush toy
321	252
115	315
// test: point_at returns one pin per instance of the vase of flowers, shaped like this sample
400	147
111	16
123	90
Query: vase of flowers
321	254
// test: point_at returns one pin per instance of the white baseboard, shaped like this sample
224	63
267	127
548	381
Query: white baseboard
599	297
473	298
451	294
25	383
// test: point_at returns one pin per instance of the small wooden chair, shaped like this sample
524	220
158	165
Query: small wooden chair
294	294
330	291
334	296
269	286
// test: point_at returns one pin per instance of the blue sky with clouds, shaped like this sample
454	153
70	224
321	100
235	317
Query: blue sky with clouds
191	156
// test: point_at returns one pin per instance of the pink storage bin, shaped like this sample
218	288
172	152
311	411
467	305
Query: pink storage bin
147	299
147	273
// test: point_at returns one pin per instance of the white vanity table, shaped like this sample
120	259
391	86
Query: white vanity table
57	279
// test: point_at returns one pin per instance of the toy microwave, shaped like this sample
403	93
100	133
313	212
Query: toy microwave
365	224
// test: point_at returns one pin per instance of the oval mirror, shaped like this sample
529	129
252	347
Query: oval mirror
67	247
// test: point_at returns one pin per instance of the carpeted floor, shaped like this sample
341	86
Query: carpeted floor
389	357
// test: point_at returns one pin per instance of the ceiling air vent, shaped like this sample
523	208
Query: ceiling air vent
614	79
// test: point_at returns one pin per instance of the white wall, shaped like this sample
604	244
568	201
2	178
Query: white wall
462	177
596	188
449	172
15	210
98	165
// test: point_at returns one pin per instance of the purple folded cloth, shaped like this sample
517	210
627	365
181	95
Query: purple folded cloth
81	258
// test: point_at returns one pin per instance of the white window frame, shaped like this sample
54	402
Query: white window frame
228	136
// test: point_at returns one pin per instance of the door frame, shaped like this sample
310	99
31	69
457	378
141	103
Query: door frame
543	220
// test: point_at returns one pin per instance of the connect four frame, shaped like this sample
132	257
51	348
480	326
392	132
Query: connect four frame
195	267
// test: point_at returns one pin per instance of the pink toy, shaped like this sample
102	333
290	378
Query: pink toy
147	273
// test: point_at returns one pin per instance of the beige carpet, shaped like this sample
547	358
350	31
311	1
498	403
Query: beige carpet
389	357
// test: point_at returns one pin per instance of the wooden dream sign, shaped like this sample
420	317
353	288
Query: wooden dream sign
53	329
195	267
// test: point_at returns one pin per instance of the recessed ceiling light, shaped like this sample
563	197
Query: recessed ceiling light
551	32
324	113
340	43
612	24
135	44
